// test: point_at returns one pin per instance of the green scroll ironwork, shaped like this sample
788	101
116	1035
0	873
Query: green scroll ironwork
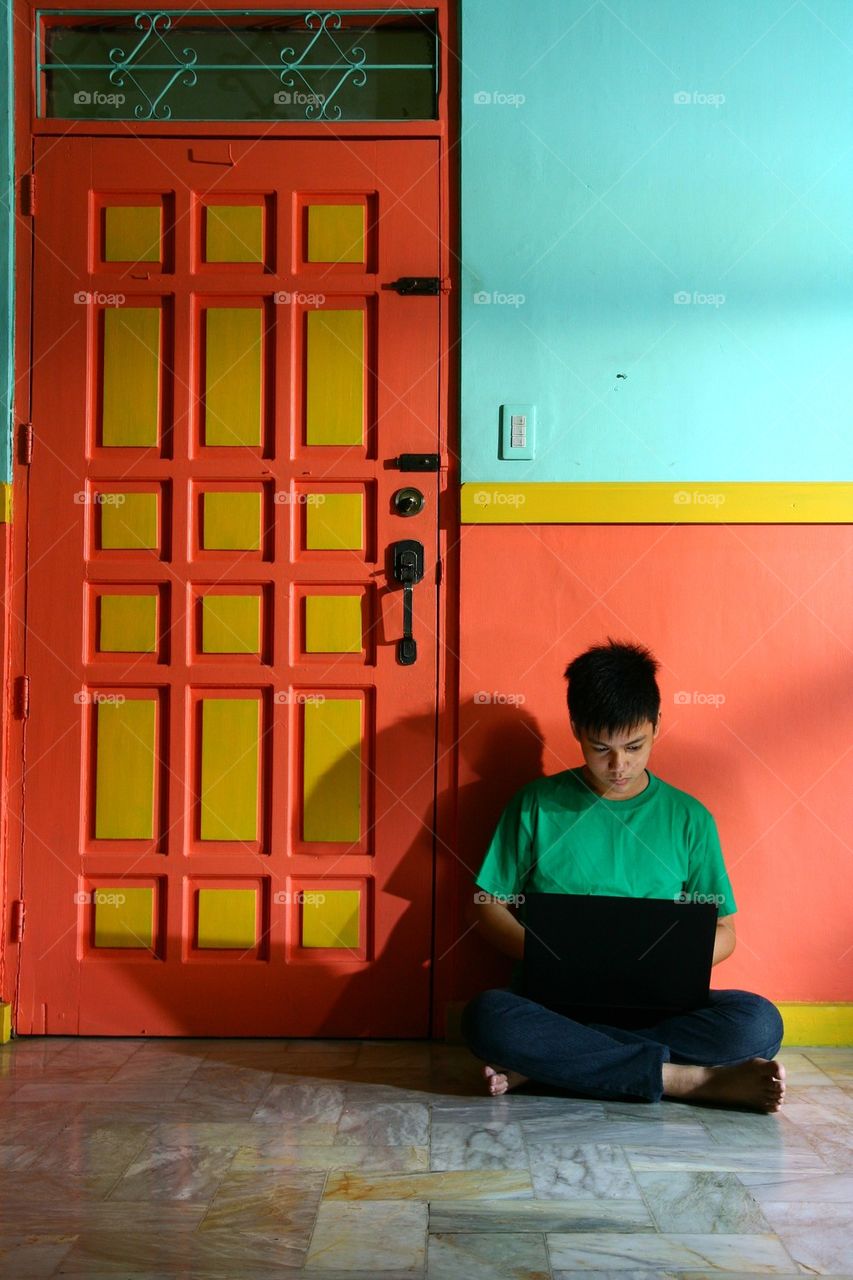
177	51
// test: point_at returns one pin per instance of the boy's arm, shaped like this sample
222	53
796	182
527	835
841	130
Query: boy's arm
496	923
724	942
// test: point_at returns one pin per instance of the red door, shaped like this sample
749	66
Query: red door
229	772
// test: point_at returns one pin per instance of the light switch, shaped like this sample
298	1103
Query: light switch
517	431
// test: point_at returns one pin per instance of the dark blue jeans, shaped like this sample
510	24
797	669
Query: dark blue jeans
599	1061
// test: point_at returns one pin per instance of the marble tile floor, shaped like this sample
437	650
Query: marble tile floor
223	1159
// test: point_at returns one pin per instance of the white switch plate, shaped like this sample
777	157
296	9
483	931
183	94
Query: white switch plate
518	423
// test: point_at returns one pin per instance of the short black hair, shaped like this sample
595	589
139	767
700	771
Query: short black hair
612	688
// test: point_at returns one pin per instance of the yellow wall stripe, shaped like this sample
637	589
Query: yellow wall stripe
229	768
131	376
689	502
232	394
332	770
335	381
6	506
807	1023
124	781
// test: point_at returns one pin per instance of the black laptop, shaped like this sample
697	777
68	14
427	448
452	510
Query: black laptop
627	962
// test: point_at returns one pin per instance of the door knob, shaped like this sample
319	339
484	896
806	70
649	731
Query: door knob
408	501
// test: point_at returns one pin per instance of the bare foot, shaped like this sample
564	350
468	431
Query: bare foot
758	1084
499	1080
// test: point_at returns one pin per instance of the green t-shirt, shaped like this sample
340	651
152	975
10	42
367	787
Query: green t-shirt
557	835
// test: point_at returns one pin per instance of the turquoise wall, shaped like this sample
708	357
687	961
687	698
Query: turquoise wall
7	205
592	195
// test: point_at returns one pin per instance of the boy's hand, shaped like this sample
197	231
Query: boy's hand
496	923
724	942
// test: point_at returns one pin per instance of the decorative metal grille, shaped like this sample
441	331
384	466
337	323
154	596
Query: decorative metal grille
368	64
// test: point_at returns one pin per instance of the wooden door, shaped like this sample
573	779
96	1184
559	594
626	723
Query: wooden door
229	774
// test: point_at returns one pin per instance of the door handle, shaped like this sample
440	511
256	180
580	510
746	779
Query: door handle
407	566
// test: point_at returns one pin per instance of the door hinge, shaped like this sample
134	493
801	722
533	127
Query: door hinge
22	697
18	914
25	443
28	195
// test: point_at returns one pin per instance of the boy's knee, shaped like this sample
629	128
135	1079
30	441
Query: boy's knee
481	1016
757	1027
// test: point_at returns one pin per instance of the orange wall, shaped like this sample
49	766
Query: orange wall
758	614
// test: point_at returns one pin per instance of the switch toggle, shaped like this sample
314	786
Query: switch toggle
517	431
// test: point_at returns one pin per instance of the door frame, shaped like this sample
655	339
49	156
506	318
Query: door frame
448	924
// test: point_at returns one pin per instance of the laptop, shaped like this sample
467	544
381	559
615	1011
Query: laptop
627	962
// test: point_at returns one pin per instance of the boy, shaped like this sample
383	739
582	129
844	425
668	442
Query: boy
611	827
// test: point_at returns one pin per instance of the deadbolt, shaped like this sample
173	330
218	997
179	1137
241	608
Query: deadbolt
408	501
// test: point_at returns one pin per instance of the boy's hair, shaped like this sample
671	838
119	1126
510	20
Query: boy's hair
612	688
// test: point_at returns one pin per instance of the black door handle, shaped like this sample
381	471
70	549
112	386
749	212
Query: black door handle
407	566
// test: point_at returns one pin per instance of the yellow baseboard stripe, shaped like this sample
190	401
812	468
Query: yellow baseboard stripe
816	1023
6	505
687	502
5	1022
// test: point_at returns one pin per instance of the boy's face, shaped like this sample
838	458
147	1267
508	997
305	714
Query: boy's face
616	763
